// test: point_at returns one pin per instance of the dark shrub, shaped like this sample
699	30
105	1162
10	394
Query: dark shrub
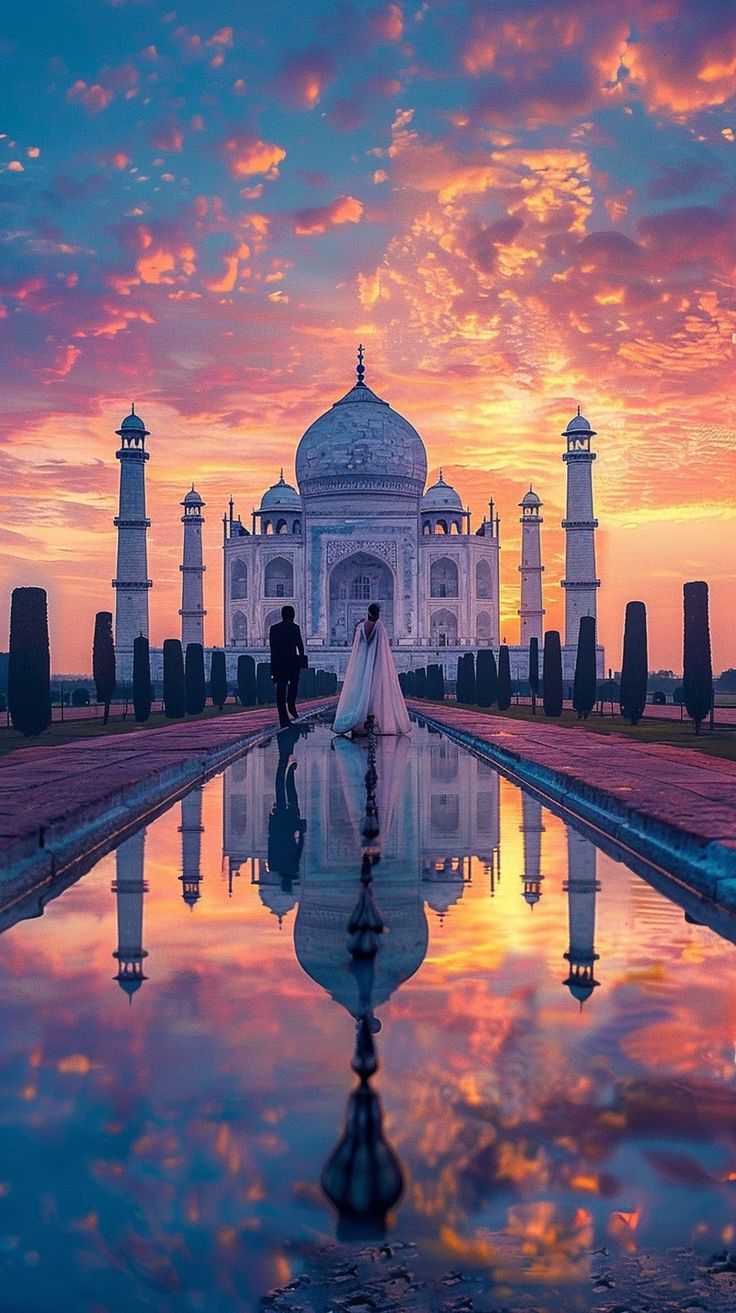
503	697
435	683
634	675
29	683
421	683
584	684
196	688
411	683
142	691
552	674
697	680
486	678
307	684
103	661
80	697
264	684
534	672
175	702
247	693
218	679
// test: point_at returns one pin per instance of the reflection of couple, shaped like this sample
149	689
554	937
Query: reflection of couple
371	686
285	824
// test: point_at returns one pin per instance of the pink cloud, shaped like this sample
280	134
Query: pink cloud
94	98
387	23
167	135
318	218
303	77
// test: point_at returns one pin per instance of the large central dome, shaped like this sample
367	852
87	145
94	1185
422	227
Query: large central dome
361	445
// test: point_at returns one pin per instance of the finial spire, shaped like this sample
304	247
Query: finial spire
440	479
360	368
281	475
578	412
132	408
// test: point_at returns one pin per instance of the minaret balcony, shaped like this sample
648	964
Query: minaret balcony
193	569
580	583
120	523
579	524
135	585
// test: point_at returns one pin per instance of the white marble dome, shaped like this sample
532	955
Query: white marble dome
281	495
441	497
361	445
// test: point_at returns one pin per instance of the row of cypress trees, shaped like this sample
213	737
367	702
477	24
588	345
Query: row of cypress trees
426	682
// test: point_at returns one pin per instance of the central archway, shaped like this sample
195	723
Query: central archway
354	583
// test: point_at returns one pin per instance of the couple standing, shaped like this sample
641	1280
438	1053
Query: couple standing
371	686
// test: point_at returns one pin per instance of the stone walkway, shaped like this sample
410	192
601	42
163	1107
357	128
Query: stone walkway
57	801
673	807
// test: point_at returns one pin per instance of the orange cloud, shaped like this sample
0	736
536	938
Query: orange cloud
388	23
247	156
344	209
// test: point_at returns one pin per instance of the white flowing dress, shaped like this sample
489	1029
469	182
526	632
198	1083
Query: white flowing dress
371	686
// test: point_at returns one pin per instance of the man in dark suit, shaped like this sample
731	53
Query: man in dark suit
287	659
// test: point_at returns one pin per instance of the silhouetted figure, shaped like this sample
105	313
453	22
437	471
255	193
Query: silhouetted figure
287	660
286	828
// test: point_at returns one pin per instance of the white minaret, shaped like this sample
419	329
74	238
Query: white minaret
191	831
581	887
192	572
531	611
532	829
132	582
580	583
129	888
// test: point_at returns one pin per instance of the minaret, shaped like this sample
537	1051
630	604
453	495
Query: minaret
531	611
191	829
131	583
532	829
581	887
580	525
129	888
192	572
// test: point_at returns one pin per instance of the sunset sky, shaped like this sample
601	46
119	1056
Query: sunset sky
518	207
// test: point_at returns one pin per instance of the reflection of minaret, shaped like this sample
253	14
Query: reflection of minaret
581	887
531	611
532	829
192	571
191	829
129	888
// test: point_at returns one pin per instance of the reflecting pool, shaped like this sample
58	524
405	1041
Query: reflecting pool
555	1043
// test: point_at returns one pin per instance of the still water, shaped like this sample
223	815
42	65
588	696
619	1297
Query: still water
177	1030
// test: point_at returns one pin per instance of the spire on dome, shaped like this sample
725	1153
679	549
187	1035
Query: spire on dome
281	476
360	367
132	408
578	412
440	477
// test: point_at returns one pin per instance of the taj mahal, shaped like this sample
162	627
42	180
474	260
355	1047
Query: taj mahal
361	526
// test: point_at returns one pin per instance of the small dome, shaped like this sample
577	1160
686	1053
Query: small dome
132	424
192	498
281	495
579	424
530	498
441	497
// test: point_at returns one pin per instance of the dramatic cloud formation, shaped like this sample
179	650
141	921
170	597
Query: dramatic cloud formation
517	209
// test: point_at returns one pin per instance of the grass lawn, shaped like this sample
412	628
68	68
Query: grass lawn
720	742
73	730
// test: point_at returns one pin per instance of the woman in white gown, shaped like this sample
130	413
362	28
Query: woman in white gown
371	686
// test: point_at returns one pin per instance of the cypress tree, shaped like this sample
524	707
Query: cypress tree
470	677
29	677
247	695
634	664
411	683
584	684
142	691
175	702
503	696
196	687
697	680
307	684
552	674
460	681
218	679
435	683
421	684
534	672
264	684
486	678
103	661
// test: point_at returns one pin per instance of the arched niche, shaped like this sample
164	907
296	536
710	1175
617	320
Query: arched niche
239	580
443	578
443	628
483	580
278	579
353	583
240	628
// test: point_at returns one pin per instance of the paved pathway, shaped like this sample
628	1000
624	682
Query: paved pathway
672	806
54	799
